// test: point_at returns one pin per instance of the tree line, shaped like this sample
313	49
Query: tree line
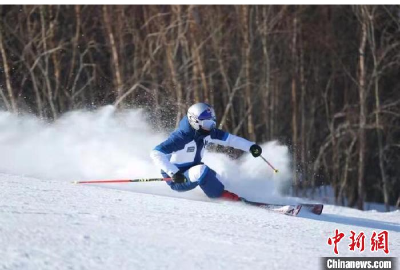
322	79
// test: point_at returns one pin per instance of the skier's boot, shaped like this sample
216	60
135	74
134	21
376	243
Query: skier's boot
229	196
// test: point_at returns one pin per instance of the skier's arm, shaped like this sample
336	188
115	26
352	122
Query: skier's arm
162	162
226	139
160	154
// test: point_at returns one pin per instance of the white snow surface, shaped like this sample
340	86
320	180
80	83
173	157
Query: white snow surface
51	224
46	222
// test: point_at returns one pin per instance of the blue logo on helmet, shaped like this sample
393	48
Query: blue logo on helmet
207	114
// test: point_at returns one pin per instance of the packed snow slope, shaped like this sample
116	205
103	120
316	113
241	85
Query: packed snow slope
48	223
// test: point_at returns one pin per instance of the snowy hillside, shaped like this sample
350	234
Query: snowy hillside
48	223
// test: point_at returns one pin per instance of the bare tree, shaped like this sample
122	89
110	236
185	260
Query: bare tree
10	101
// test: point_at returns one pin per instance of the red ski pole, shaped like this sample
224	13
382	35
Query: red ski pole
275	170
122	181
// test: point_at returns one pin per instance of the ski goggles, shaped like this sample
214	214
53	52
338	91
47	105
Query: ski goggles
207	124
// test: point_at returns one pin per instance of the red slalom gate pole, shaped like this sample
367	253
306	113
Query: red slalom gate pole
122	181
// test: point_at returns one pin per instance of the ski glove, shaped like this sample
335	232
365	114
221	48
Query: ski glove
179	178
255	150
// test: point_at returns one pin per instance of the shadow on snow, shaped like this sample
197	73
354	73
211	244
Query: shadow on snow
354	221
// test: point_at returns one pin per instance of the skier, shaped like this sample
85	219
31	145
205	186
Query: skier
179	157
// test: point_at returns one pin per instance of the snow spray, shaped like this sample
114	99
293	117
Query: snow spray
107	143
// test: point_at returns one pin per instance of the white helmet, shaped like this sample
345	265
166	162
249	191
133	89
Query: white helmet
201	116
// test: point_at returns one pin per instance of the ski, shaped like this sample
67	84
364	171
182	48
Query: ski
310	207
314	208
290	210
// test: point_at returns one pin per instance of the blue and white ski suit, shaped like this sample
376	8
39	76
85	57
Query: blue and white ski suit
183	152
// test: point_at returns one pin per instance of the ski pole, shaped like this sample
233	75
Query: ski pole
122	181
266	161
